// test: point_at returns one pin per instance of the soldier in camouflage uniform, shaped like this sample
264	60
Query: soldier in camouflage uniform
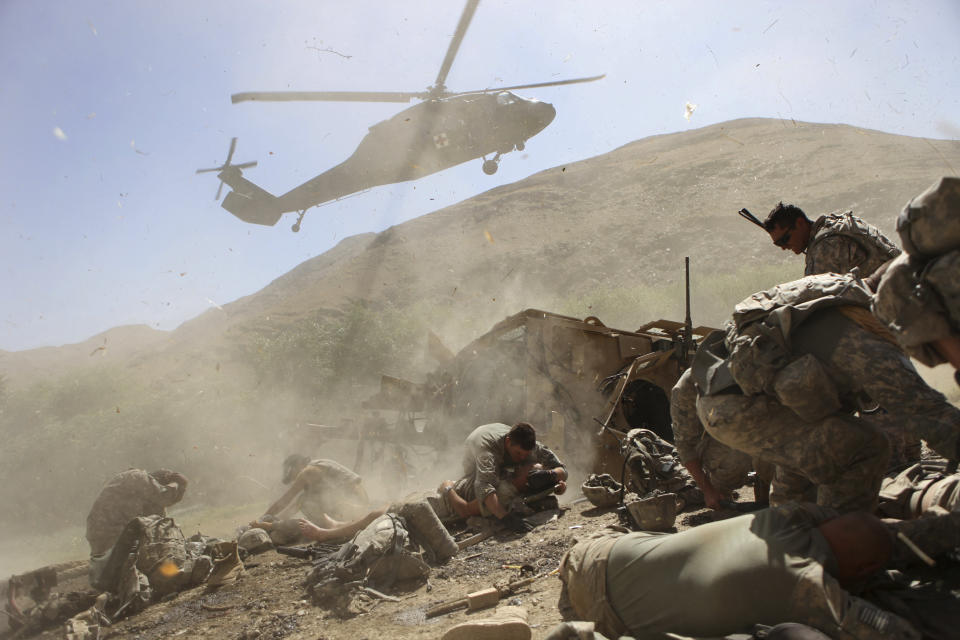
838	243
785	382
918	298
130	494
716	468
834	243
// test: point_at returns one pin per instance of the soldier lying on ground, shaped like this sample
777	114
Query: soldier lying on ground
488	450
786	564
716	468
785	382
918	297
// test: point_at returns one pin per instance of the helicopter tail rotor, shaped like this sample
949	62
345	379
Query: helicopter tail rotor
227	165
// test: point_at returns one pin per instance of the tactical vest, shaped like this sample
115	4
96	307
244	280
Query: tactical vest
877	247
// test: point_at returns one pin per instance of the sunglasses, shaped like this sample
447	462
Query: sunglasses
783	240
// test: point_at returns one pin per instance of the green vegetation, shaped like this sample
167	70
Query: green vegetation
712	296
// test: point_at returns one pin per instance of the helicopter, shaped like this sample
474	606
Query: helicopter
445	129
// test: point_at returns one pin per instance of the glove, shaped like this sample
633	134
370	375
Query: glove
515	523
540	479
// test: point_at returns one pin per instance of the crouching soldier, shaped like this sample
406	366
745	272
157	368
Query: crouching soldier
136	551
716	468
490	450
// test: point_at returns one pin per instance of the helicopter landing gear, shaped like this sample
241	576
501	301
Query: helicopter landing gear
521	145
490	166
296	225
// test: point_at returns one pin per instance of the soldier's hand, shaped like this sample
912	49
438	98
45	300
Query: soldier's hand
540	479
515	523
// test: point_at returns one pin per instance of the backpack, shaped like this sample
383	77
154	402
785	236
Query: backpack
379	556
929	224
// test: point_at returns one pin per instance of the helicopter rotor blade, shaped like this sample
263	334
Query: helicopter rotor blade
233	147
465	19
219	189
326	96
556	83
245	165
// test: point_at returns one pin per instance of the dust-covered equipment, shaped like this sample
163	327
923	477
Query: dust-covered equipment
601	490
582	384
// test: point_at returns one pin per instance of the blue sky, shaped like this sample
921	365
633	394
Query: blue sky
108	107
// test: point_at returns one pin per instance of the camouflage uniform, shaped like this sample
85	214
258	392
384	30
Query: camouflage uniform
726	468
800	362
486	457
333	490
919	296
128	495
768	567
841	241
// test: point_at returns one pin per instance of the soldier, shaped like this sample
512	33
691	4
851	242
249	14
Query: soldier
716	468
491	448
835	243
330	496
918	298
785	382
786	564
129	495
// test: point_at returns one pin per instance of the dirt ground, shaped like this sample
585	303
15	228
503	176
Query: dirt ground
269	601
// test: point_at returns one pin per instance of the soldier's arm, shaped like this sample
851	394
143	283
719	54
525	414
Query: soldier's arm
711	496
834	254
296	487
550	461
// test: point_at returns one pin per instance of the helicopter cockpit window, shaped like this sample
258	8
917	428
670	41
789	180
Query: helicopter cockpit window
505	98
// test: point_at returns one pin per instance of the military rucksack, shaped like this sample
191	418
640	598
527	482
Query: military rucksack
929	224
652	465
380	555
761	359
877	247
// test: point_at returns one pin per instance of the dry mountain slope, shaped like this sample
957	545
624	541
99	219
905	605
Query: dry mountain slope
607	222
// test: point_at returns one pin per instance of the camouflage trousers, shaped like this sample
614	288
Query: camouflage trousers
843	456
725	467
880	370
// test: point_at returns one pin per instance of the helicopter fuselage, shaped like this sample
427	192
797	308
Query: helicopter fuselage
420	140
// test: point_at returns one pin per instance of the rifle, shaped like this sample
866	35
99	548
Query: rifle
540	495
687	323
752	218
303	553
484	598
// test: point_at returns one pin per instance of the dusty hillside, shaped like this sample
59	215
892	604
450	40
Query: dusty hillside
566	236
228	394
